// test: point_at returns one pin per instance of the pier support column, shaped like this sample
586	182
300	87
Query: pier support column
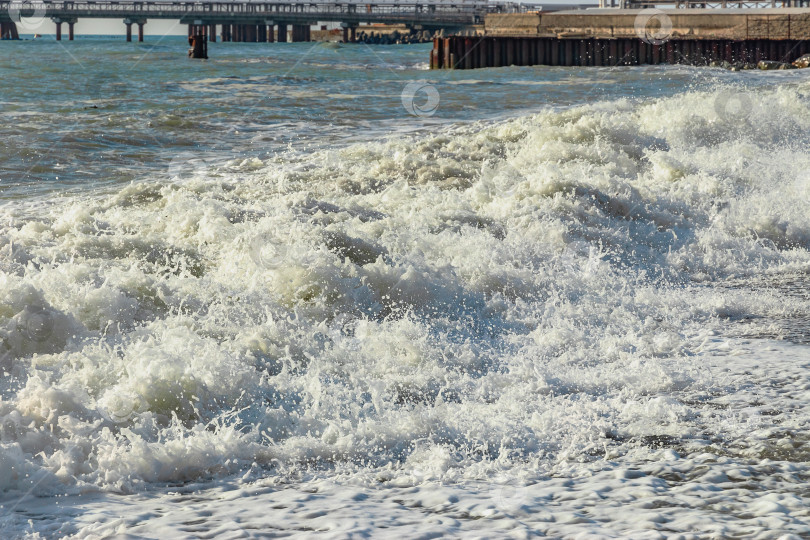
349	32
300	32
140	23
295	34
271	31
58	22
282	32
212	33
261	33
8	30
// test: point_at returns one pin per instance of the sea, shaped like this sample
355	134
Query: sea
309	290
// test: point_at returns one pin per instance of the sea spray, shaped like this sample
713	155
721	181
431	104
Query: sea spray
506	300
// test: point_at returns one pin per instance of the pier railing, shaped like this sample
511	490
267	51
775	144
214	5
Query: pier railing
460	12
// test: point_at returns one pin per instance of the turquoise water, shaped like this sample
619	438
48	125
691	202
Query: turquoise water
102	111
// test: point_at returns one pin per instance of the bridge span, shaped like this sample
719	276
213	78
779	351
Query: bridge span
255	21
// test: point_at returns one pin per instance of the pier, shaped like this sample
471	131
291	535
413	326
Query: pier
252	21
612	37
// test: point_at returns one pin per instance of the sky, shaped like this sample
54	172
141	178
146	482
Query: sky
113	27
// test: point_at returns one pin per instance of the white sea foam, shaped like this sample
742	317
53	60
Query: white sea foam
518	326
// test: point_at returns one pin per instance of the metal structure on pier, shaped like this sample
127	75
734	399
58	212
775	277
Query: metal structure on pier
689	4
247	18
258	20
250	20
430	12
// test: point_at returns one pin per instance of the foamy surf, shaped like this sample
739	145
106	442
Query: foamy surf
560	323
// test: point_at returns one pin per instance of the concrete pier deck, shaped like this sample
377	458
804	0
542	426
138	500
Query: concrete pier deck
767	23
603	37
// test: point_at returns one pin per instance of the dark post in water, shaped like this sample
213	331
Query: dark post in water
198	46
